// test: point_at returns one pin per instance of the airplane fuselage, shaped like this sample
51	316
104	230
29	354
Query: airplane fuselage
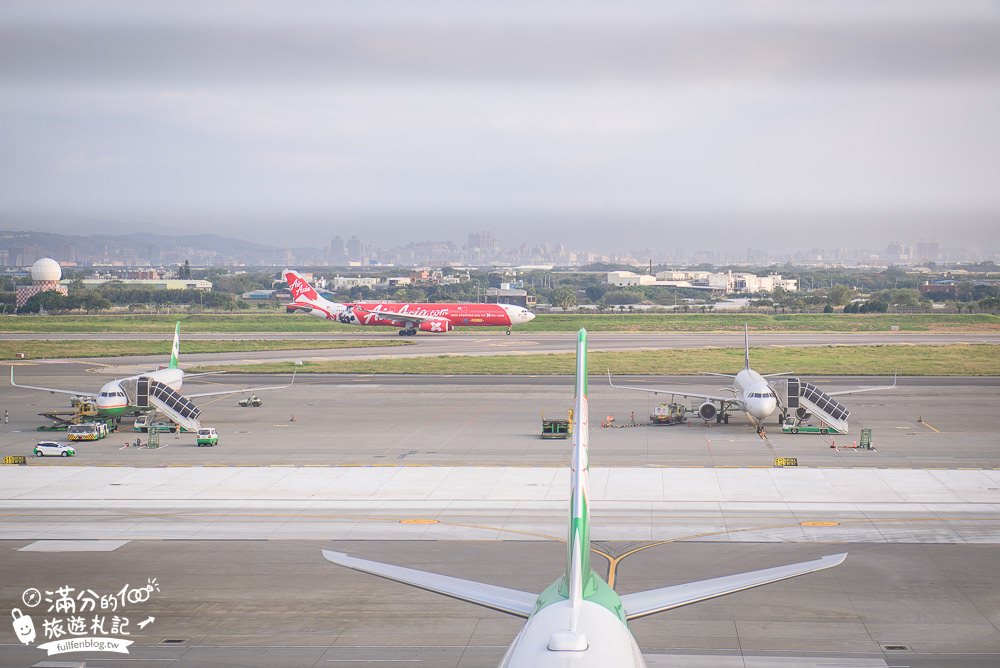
112	400
608	640
753	390
443	316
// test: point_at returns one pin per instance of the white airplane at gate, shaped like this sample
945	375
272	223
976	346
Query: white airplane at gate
579	620
752	393
113	401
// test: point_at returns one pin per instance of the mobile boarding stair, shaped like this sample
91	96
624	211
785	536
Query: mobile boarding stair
143	392
802	399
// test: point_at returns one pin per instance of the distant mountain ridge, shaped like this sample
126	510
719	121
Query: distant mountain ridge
23	247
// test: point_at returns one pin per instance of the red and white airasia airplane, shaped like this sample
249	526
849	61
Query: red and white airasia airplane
409	318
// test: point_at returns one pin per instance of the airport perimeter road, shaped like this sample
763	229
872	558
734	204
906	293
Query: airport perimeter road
496	343
496	421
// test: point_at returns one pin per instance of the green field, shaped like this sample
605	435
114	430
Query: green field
833	322
949	360
281	322
77	349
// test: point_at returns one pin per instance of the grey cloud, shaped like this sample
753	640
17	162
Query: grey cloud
242	53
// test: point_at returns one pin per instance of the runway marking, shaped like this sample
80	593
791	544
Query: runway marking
614	561
930	426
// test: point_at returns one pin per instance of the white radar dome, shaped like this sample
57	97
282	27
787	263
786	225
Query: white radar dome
46	269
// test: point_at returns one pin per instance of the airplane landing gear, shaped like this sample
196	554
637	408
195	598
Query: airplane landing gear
508	331
411	331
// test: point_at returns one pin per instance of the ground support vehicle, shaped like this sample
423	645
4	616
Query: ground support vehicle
147	422
667	414
87	431
794	426
207	436
552	429
253	401
84	410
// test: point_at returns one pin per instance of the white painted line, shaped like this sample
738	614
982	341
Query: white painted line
74	546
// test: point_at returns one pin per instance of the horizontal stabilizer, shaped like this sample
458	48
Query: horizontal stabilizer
512	601
650	602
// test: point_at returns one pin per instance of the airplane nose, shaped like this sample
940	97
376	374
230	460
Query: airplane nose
527	315
761	408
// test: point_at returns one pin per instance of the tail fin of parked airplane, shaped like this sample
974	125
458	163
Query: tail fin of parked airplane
175	349
746	346
578	571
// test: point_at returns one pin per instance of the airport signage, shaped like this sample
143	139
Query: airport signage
786	461
16	460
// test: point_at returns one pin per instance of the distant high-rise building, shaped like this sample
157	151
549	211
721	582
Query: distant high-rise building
338	251
928	251
354	250
482	246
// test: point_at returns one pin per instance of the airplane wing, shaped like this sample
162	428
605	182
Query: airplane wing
681	393
865	389
650	602
511	601
218	393
79	393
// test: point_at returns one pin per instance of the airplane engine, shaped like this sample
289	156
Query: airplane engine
802	414
708	411
436	325
347	317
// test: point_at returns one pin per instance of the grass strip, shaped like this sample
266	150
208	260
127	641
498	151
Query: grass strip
75	349
878	360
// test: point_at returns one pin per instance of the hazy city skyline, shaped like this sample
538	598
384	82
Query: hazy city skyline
627	125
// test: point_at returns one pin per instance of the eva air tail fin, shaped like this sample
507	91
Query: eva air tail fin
746	346
175	350
578	539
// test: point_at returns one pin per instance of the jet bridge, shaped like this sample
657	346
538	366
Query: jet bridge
144	392
802	399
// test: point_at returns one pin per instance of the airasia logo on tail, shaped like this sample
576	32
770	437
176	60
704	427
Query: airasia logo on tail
299	287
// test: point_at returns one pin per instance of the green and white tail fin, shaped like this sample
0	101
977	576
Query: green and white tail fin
746	346
175	350
578	543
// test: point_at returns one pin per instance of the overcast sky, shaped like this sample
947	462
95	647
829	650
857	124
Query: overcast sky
614	124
